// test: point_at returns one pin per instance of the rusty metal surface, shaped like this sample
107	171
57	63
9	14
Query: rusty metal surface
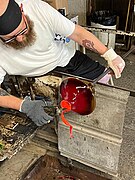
50	168
14	133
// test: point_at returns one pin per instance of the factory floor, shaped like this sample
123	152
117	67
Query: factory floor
126	169
14	168
127	156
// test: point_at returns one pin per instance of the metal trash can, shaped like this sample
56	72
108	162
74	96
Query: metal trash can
104	20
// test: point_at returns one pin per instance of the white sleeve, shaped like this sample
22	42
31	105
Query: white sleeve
2	75
58	23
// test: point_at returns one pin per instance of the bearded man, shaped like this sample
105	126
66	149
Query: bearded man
29	47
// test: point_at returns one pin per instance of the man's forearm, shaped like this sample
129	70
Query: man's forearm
88	40
8	101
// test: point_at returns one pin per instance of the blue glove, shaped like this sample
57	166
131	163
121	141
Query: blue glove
35	111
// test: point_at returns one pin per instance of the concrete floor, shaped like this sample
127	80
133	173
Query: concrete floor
126	170
127	155
13	168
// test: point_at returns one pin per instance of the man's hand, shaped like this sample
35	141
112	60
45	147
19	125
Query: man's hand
35	111
115	62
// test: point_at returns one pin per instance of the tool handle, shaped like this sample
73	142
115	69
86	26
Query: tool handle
108	70
86	79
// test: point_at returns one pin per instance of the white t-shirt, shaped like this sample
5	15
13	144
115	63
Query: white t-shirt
46	53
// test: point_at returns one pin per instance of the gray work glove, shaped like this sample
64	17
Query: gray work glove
35	111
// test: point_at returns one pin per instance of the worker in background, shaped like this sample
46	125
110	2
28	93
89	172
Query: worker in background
33	42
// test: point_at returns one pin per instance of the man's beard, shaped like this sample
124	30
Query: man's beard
28	38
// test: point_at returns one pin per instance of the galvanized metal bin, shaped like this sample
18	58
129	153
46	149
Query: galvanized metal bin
98	136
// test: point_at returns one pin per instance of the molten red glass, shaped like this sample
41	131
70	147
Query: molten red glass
79	95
